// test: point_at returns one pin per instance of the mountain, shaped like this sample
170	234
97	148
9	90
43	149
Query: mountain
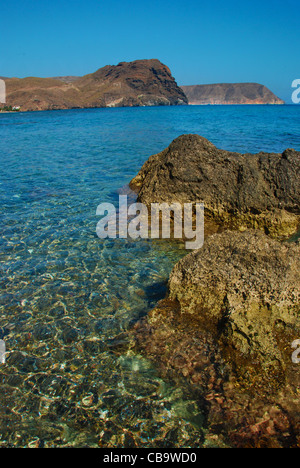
138	83
234	93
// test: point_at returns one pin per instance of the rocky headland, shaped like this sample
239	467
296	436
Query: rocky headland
226	328
138	83
230	93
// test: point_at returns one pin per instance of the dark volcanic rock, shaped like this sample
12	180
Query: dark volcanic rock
230	93
239	191
138	83
226	330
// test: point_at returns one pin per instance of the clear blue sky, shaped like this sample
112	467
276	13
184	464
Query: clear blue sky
202	41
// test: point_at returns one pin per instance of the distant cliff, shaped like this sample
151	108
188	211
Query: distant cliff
138	83
226	93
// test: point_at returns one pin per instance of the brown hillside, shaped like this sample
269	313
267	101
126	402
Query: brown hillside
226	93
138	83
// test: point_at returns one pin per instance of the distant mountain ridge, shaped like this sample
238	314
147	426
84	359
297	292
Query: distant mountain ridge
128	84
230	93
138	83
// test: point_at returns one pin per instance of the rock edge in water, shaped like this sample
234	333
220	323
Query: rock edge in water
227	326
240	191
225	331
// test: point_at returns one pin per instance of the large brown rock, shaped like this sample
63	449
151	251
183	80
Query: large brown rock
240	191
138	83
226	330
244	287
227	326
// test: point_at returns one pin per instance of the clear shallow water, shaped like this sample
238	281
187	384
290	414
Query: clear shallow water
65	294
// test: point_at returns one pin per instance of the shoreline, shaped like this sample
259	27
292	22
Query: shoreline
140	107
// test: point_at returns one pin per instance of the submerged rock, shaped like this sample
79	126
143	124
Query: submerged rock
240	191
226	330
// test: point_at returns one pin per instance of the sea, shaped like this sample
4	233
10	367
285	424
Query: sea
67	297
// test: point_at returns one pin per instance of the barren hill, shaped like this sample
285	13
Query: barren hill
226	93
138	83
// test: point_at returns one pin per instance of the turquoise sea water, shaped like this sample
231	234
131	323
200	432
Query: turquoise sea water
65	294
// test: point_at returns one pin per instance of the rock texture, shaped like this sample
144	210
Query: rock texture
240	191
225	93
138	83
226	331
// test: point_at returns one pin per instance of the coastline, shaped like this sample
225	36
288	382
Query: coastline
238	104
154	106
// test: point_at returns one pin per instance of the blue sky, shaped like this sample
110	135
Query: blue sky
201	41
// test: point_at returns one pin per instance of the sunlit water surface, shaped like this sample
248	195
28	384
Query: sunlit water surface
65	294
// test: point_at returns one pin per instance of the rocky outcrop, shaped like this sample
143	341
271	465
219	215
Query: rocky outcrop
138	83
230	93
240	191
226	330
227	326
